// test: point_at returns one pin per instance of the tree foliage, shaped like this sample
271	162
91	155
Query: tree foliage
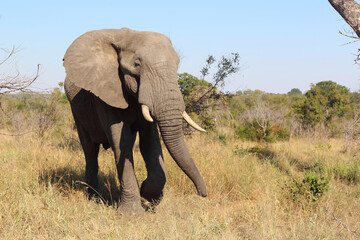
294	91
188	84
324	101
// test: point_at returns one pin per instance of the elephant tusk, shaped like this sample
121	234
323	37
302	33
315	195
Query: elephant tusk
146	112
191	122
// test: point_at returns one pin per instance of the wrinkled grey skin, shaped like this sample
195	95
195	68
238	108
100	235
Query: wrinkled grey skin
110	73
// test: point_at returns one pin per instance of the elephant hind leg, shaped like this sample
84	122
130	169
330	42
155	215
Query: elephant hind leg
150	148
91	152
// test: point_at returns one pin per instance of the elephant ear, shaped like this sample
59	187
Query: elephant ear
91	62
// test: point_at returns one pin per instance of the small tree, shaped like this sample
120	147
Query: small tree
225	68
294	91
201	95
324	101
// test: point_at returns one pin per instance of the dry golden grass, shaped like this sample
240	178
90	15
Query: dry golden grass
40	197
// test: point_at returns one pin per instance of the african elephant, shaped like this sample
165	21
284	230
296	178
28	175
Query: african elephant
121	82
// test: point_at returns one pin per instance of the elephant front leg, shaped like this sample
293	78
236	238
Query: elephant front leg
130	200
150	147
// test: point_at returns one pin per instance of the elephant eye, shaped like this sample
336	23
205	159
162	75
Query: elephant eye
137	63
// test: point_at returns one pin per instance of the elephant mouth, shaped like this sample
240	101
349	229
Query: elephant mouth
146	113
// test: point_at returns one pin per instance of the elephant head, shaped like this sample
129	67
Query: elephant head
116	63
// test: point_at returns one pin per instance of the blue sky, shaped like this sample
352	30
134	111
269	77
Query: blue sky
283	44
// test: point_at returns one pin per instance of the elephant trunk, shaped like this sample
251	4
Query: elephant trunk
164	100
170	125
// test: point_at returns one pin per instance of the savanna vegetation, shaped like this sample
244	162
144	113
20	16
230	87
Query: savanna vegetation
277	166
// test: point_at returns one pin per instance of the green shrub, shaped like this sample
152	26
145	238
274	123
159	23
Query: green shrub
246	131
254	132
208	124
311	188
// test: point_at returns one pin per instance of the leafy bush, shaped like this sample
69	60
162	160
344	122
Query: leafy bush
246	131
208	123
254	132
311	188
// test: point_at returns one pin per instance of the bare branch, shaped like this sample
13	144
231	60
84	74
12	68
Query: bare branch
12	52
17	84
349	36
341	223
10	83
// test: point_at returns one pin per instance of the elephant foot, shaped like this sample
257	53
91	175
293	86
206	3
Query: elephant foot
130	203
152	193
131	209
